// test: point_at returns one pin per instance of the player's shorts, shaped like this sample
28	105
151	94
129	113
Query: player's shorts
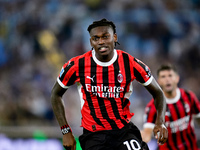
127	138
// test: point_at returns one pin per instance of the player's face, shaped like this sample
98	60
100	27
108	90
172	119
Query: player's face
103	41
168	80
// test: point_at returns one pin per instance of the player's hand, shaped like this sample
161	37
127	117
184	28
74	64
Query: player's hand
69	141
160	133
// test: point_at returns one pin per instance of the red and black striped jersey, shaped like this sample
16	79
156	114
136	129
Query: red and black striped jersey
104	87
178	120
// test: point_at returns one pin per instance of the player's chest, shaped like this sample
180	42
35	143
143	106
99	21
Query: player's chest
177	110
104	75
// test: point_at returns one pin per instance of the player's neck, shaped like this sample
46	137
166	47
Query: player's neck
171	94
105	58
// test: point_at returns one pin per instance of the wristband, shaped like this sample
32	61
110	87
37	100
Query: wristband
65	129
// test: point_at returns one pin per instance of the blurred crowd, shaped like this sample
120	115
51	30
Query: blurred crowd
37	37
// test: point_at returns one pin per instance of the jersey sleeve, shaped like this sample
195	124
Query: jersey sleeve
67	76
195	105
142	72
150	115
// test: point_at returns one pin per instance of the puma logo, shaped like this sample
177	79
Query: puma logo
91	78
167	114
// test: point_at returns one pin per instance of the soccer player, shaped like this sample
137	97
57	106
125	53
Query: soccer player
104	78
182	105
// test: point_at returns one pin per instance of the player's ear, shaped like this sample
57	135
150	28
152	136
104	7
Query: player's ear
115	37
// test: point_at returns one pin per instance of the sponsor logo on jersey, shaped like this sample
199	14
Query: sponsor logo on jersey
178	125
105	91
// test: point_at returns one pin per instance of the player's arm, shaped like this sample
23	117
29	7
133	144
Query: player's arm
146	134
160	131
59	111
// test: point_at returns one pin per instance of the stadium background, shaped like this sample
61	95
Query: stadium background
37	37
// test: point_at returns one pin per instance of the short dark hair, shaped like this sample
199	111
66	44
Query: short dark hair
102	22
166	67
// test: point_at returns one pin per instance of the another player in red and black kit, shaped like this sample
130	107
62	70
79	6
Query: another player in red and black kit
104	77
182	105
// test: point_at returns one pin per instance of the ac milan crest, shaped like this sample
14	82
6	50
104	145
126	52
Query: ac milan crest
119	77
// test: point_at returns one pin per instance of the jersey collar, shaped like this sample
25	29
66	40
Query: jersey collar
104	64
175	99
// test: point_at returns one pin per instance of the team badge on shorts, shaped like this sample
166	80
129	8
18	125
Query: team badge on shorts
119	77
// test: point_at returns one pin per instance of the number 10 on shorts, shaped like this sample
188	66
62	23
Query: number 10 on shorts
133	145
